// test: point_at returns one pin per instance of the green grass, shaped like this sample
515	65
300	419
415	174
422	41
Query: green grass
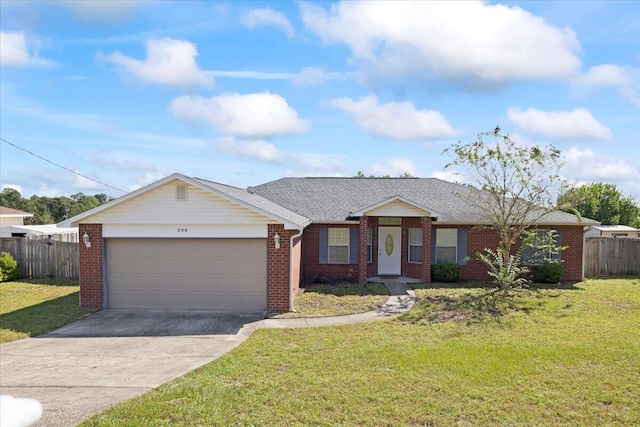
338	299
547	357
33	307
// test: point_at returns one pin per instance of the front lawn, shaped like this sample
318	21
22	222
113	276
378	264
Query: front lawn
338	299
549	357
33	307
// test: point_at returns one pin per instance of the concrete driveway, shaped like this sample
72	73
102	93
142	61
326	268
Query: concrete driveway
111	356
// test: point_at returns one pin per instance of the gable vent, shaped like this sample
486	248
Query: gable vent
181	192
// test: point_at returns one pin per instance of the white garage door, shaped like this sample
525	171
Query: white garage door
187	274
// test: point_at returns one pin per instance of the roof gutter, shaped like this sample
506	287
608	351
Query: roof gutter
291	258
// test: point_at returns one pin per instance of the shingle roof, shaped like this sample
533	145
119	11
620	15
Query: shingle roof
257	201
13	212
334	199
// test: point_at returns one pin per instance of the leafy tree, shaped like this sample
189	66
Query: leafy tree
602	202
518	183
48	210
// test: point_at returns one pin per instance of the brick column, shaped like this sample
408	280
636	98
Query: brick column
278	269
91	296
362	250
425	268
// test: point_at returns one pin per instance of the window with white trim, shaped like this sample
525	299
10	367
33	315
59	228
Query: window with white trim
446	245
338	245
369	244
415	245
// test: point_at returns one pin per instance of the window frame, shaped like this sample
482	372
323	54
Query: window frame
414	244
531	253
369	244
331	232
454	231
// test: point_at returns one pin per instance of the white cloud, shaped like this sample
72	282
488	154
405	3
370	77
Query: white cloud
250	115
268	152
318	163
587	165
316	76
82	183
394	120
256	149
306	76
392	166
102	10
15	50
578	124
168	62
626	80
471	42
251	74
268	16
16	187
140	180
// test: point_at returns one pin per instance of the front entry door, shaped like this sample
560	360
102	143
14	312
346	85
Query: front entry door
389	249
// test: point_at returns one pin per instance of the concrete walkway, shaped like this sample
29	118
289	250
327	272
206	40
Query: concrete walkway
401	299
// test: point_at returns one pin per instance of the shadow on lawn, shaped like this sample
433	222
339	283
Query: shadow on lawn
347	289
43	317
477	301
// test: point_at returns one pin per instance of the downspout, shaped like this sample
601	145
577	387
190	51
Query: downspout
585	230
291	239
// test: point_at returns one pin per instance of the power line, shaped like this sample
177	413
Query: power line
60	166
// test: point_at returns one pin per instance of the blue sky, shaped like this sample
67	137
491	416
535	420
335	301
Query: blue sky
248	92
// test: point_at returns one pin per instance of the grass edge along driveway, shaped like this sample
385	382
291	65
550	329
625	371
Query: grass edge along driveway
32	307
560	357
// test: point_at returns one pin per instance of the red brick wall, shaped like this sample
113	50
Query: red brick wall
311	266
480	238
278	269
91	296
372	267
572	257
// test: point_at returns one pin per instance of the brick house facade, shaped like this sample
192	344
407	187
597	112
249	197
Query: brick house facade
334	233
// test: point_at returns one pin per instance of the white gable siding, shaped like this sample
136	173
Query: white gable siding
191	231
396	208
160	206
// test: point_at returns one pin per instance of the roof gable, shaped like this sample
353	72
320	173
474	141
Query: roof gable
395	206
156	204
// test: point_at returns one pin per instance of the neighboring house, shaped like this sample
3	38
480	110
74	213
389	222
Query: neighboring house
614	231
189	243
12	225
11	217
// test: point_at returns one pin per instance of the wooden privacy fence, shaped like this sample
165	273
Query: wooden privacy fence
607	256
41	258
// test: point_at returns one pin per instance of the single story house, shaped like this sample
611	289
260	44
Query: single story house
11	217
189	243
618	231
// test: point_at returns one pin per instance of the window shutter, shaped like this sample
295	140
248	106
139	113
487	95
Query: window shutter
558	256
354	244
525	256
462	246
324	246
433	246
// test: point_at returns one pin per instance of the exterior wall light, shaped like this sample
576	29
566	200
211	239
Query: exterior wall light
86	241
276	240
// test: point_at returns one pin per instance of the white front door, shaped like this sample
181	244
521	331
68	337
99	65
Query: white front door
389	249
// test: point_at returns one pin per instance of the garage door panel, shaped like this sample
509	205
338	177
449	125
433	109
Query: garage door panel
196	274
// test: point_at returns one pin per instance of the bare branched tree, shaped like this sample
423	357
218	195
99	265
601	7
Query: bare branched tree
519	182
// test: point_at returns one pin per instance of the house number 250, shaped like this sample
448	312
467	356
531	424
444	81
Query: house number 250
182	229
